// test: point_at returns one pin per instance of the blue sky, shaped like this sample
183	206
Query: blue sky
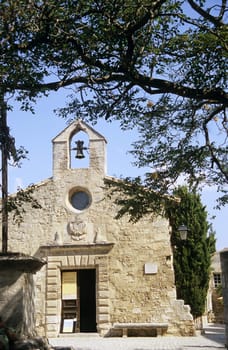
35	133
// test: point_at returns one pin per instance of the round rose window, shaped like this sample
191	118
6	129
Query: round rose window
80	200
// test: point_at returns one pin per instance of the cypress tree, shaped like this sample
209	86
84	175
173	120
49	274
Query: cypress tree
192	258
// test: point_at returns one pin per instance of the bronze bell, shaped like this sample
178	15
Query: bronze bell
79	149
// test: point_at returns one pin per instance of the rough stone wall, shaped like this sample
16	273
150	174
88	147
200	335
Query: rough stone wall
218	308
214	307
17	301
137	296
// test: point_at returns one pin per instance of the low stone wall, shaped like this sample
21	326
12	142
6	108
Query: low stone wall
16	301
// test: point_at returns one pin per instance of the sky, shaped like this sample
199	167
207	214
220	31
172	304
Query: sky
35	134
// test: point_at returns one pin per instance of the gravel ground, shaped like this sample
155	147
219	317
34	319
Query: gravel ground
212	339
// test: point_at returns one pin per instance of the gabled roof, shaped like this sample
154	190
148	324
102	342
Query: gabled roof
76	126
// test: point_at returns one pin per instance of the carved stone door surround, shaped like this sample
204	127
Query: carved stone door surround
71	258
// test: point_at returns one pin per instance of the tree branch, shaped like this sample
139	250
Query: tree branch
204	14
214	158
148	84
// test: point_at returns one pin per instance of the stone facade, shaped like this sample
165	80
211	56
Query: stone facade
75	230
215	307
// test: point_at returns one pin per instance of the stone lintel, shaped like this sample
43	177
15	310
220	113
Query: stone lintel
77	249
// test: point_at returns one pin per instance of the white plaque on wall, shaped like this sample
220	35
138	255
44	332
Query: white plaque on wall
150	268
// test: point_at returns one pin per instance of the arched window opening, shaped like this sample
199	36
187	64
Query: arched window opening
79	150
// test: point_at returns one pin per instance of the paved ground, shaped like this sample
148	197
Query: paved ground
213	339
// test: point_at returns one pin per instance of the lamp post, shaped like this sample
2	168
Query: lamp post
183	230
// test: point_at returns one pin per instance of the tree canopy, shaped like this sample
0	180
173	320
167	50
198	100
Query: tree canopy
159	66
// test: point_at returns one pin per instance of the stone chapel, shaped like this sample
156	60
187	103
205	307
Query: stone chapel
101	275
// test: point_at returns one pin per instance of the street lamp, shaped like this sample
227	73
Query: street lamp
183	230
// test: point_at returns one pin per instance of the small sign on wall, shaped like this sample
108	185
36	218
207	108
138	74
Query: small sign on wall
68	325
150	268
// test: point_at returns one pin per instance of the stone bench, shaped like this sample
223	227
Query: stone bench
159	328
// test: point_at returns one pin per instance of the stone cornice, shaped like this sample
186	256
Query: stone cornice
77	249
20	262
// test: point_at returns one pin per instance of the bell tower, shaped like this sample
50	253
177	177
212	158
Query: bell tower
63	149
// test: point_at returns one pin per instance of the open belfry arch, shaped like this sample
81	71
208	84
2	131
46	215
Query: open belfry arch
62	146
101	275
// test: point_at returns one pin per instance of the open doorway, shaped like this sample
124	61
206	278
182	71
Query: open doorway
87	283
79	301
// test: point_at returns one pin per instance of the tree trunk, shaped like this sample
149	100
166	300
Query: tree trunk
4	133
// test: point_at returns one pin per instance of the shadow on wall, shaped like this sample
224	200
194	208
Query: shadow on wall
17	301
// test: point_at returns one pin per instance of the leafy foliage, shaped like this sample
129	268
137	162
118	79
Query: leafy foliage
15	203
7	141
192	258
133	198
157	66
